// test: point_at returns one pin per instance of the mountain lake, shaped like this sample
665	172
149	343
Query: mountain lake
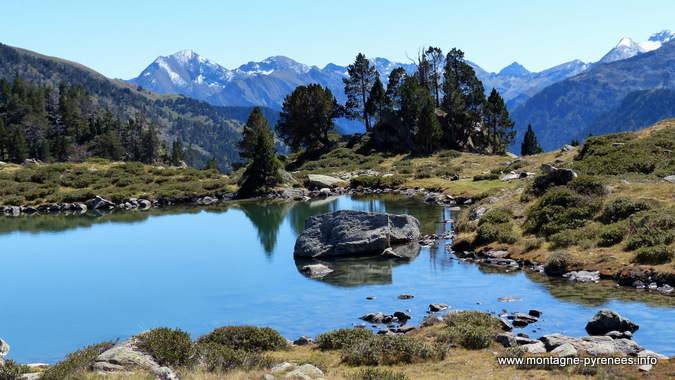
74	280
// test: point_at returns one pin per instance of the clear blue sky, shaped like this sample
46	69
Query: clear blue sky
120	38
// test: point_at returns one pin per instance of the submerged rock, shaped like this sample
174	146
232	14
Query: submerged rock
351	232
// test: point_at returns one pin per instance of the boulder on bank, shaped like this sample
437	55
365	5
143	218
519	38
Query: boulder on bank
351	232
605	321
320	181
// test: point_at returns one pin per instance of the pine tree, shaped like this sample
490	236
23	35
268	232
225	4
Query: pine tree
377	100
307	117
393	93
177	153
530	144
435	59
428	133
498	123
262	171
357	88
212	164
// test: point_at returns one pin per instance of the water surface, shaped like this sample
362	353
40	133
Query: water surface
70	281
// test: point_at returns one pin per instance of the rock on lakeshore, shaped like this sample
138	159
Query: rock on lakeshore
606	320
351	232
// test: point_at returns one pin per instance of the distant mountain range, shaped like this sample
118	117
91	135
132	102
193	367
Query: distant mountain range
266	83
608	97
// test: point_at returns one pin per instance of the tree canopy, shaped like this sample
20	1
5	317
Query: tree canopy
357	88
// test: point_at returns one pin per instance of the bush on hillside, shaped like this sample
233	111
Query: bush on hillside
247	338
168	347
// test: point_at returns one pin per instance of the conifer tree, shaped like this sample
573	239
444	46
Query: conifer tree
377	100
357	88
499	125
530	144
262	170
307	117
393	93
428	133
177	153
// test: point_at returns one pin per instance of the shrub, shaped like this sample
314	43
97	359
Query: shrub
656	255
24	175
168	347
485	177
470	329
447	171
391	350
582	237
78	196
621	208
76	362
449	153
247	338
14	200
496	217
651	228
423	171
501	233
611	234
216	357
365	181
379	374
558	263
560	209
12	371
339	339
588	185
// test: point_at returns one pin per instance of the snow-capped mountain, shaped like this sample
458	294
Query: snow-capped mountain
627	48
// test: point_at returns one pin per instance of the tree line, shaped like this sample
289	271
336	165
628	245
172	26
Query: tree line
65	124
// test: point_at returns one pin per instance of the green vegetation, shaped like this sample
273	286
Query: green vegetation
10	370
379	374
391	350
247	338
342	338
257	145
168	347
495	226
471	329
530	145
76	363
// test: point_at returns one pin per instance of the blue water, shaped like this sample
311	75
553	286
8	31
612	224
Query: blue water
109	278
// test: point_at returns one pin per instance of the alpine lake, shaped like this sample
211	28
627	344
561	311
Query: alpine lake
74	280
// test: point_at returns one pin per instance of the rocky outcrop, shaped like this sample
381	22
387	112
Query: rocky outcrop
350	232
99	202
123	355
320	181
4	349
606	321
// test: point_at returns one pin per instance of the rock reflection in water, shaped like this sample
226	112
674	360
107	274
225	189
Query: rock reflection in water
358	271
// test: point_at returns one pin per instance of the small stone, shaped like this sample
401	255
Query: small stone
535	313
303	341
435	307
566	351
405	296
645	368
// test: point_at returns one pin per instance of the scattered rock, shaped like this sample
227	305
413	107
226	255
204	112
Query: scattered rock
651	354
606	320
303	341
4	349
535	348
670	178
401	316
164	373
436	307
627	347
620	335
535	313
506	339
99	202
321	181
305	371
645	368
565	351
405	296
509	299
351	232
477	213
506	326
405	329
582	276
601	350
126	354
316	270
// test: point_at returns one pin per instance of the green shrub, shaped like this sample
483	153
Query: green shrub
168	347
582	237
656	255
469	337
24	175
470	329
449	153
447	171
621	208
489	233
391	350
14	200
78	196
496	217
558	263
485	177
560	209
12	371
424	171
339	339
215	357
651	228
365	181
379	374
247	338
76	363
588	185
611	234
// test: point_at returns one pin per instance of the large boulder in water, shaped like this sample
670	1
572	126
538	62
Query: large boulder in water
606	320
350	232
